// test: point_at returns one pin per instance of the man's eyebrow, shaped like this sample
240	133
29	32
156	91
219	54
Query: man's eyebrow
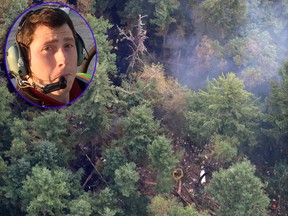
69	39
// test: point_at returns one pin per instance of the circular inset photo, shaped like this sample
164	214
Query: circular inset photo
51	55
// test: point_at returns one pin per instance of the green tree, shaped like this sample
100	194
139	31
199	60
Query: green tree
6	99
164	182
163	17
132	9
21	144
166	206
9	11
105	203
126	178
160	205
115	157
47	154
210	57
100	6
255	55
3	169
278	185
3	173
238	191
134	92
168	96
223	17
135	205
91	110
80	206
225	108
225	148
140	129
50	125
161	155
45	192
6	115
13	183
162	160
20	129
100	27
277	114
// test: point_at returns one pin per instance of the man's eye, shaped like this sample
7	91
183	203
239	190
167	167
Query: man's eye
47	48
70	45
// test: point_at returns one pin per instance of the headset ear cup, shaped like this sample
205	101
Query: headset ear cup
15	62
80	49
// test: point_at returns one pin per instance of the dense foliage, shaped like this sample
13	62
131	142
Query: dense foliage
137	140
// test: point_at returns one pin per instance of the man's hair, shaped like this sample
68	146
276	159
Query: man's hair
50	17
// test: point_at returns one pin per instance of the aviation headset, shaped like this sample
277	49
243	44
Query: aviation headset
17	54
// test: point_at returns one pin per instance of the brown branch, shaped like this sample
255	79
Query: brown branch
88	178
94	166
138	48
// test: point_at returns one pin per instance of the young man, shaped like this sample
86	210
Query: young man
50	48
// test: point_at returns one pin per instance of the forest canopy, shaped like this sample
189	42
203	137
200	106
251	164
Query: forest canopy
197	125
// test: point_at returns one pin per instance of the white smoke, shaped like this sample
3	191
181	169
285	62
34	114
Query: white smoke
255	52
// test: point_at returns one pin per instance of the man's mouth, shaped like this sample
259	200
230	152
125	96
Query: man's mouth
65	75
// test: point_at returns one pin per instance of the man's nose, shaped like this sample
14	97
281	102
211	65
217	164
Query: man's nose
61	57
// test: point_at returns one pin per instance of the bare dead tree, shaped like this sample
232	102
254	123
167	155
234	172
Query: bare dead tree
137	42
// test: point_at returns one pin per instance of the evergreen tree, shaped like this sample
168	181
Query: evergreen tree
225	148
47	154
100	6
115	157
225	108
161	156
9	11
105	203
100	27
126	178
163	17
163	93
135	205
80	206
223	16
91	110
47	192
6	99
210	57
161	205
277	115
3	173
278	185
18	150
50	125
140	129
254	71
5	117
132	10
162	160
20	129
238	191
13	183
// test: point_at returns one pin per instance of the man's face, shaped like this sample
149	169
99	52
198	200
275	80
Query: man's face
53	54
